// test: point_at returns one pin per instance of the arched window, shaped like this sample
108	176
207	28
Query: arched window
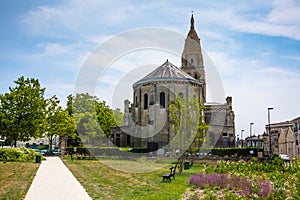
196	76
136	100
192	61
162	100
145	101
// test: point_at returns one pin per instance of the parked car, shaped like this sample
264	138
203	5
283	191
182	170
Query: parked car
45	152
36	150
284	157
56	152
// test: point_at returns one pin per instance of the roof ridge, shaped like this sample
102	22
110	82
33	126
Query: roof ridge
167	71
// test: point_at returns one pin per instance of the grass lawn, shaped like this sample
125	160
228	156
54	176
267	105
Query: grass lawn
16	178
102	182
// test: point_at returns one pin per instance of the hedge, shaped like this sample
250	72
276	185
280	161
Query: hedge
236	151
17	154
108	151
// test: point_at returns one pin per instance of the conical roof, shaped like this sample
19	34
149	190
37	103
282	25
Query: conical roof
192	33
167	72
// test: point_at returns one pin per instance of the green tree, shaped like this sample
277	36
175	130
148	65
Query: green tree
187	122
70	104
89	128
23	110
94	118
58	122
105	117
119	117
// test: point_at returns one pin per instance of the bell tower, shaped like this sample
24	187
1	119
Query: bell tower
192	60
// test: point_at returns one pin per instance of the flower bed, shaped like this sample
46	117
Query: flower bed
241	185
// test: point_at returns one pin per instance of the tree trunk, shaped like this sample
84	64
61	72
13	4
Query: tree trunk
50	145
180	162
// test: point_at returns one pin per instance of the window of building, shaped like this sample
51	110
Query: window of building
196	76
180	94
162	100
136	101
192	61
128	140
146	101
225	143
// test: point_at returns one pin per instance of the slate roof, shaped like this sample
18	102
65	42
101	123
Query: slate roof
167	72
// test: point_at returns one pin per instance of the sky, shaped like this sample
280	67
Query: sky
254	45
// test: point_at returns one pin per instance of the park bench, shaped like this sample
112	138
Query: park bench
168	176
81	156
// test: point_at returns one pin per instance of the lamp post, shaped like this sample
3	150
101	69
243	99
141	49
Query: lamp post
242	137
269	127
251	133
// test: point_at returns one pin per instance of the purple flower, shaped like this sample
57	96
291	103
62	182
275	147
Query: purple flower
242	185
265	188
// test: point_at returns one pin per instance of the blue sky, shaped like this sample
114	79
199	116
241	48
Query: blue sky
255	46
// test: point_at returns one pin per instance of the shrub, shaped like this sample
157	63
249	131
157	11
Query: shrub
17	154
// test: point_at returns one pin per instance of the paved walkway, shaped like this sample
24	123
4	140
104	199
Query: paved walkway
54	181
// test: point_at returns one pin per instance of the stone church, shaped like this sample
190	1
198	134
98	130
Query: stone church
146	121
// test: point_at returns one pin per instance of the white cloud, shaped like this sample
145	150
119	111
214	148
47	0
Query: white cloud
266	53
297	58
80	19
224	63
281	72
283	20
61	90
51	49
272	18
285	12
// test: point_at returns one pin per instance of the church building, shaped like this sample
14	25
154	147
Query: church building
146	117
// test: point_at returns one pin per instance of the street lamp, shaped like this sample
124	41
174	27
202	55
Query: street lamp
242	137
251	133
269	127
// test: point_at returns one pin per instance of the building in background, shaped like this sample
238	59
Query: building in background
146	118
284	138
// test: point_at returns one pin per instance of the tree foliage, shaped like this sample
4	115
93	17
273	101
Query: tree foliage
94	119
26	114
118	116
23	110
187	122
58	122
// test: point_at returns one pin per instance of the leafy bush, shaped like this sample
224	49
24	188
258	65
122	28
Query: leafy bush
17	154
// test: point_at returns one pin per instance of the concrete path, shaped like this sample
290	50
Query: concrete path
54	181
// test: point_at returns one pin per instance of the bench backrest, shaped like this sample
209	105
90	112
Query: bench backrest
173	170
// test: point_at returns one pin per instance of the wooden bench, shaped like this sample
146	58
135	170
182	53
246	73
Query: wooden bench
81	156
168	176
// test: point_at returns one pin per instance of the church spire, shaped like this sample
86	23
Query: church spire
192	21
192	59
192	33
